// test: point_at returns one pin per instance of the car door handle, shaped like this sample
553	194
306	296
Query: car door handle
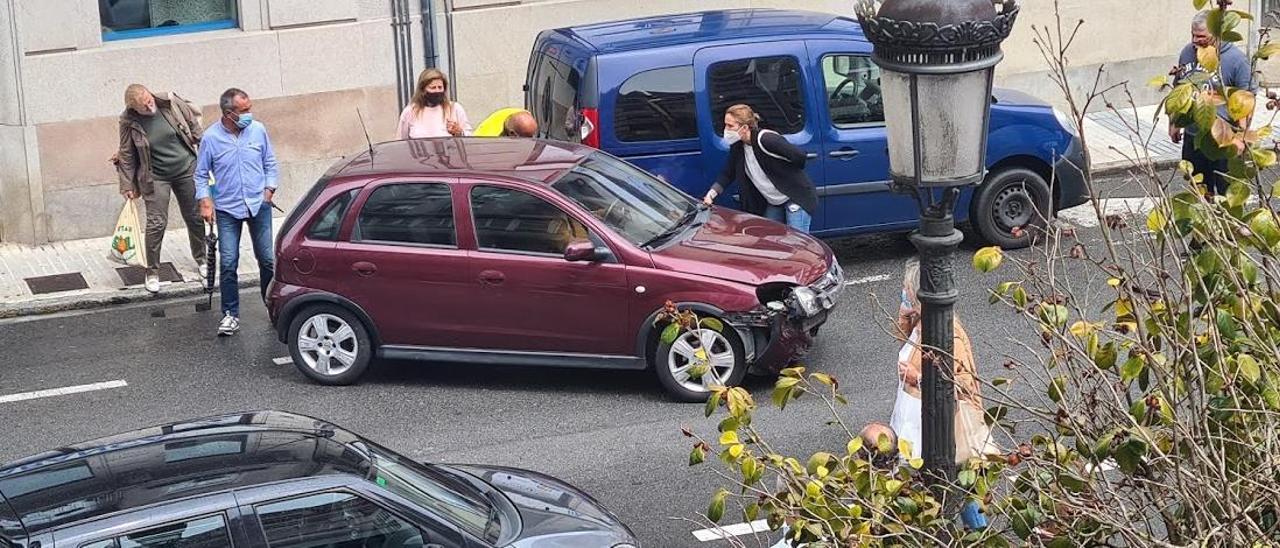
364	268
844	153
811	155
492	277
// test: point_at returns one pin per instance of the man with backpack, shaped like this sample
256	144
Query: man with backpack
159	135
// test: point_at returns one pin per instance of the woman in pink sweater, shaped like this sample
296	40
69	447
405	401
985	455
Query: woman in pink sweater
431	113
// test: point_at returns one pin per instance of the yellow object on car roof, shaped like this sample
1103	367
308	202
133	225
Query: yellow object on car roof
492	126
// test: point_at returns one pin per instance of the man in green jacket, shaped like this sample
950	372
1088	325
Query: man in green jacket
159	134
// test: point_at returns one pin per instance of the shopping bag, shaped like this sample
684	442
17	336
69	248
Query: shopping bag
906	420
127	243
973	436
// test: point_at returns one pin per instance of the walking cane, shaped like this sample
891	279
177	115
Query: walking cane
210	266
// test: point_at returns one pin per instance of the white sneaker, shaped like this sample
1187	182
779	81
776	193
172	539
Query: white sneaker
228	326
152	282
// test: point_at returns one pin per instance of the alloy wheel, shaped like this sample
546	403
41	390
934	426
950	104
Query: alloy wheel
328	345
701	358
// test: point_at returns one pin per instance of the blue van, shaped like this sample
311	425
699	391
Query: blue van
654	91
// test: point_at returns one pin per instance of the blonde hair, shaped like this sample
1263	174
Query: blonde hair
744	115
133	95
911	282
420	91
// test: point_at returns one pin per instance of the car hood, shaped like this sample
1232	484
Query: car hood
743	248
550	508
1014	98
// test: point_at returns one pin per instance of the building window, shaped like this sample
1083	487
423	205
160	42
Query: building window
123	19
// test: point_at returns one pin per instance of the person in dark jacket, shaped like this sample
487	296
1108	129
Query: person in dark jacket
771	170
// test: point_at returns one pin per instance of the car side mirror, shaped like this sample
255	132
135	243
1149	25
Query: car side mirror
581	251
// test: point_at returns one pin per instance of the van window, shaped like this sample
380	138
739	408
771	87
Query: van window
656	105
771	86
853	90
554	99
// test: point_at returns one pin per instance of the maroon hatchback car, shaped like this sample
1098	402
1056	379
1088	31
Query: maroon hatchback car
539	253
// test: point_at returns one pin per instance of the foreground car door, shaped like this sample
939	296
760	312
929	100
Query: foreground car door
530	298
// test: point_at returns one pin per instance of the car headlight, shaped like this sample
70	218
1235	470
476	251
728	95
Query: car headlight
1066	122
806	301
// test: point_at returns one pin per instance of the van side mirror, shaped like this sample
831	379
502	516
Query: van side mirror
581	251
840	64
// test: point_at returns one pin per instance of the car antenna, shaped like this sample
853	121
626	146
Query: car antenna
366	133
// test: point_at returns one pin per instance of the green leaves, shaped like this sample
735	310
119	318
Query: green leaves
712	324
698	455
1132	368
1263	225
716	510
1179	100
1053	315
1268	50
1240	105
1237	194
1249	368
669	333
988	259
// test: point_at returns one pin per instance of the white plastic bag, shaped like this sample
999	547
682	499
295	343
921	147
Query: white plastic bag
128	245
906	420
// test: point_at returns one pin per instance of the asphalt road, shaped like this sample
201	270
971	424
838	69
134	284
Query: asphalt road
613	434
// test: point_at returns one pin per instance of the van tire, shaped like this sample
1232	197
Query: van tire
1011	199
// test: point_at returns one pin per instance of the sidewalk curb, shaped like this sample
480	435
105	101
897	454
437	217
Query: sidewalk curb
1113	168
100	299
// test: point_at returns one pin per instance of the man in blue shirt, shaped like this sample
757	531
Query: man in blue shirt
238	153
1236	71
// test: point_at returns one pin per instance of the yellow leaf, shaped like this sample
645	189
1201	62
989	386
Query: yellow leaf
1222	132
1124	308
822	472
1208	58
854	445
1113	282
813	489
729	438
1156	221
904	447
892	486
735	450
1240	105
916	463
988	259
1081	329
1158	81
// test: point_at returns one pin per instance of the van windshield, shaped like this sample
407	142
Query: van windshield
634	204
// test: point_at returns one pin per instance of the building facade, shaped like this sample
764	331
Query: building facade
312	65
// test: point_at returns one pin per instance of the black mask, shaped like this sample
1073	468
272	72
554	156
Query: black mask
434	98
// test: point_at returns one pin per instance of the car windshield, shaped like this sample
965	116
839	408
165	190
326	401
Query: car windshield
633	203
442	494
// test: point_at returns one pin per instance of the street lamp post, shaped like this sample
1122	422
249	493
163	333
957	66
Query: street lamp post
937	60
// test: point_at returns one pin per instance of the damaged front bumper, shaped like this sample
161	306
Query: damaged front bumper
777	333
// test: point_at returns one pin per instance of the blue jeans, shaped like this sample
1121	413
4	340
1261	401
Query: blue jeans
790	214
229	254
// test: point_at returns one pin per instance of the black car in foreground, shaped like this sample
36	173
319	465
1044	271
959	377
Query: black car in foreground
280	480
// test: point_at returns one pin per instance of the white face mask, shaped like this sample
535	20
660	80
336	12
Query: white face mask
731	137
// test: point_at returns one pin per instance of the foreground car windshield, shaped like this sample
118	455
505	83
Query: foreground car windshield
443	495
631	202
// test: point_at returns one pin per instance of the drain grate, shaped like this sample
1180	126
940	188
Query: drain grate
135	275
56	283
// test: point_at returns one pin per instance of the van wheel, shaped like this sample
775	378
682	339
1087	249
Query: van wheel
1009	200
329	345
719	355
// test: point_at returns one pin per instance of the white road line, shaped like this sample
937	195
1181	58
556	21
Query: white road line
282	361
735	530
868	279
62	391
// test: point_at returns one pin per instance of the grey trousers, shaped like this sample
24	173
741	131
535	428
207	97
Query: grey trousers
184	189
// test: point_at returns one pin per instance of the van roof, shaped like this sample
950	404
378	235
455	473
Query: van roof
708	26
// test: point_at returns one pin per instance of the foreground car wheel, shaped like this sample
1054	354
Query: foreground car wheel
329	345
698	359
1010	199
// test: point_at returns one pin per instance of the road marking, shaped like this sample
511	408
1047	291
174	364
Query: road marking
868	279
735	530
62	391
282	361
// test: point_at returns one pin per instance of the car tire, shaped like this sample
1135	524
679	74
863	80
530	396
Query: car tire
329	344
1013	198
726	353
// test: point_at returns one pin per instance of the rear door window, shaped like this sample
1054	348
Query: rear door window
516	222
408	213
772	86
853	90
554	99
205	532
656	105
